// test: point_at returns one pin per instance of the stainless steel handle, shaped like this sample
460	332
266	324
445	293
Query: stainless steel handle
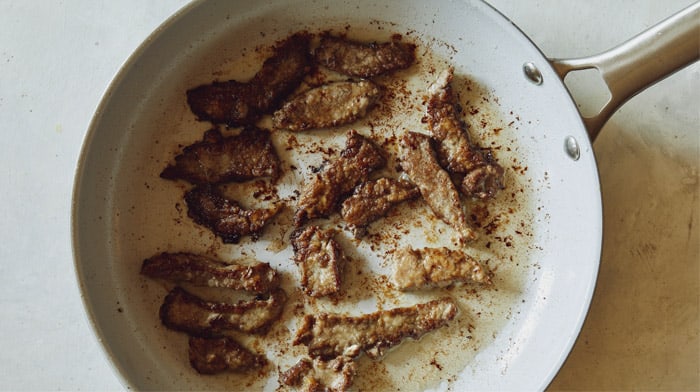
647	58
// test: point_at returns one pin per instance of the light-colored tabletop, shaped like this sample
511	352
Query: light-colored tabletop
58	57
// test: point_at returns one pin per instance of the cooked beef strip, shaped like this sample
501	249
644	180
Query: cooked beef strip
331	335
436	267
315	375
225	217
372	199
320	260
321	195
205	271
363	60
295	375
217	355
330	105
481	176
238	103
218	159
436	187
185	312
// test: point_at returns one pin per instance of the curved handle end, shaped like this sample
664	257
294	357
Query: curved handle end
647	58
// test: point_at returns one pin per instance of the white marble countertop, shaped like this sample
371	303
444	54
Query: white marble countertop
58	57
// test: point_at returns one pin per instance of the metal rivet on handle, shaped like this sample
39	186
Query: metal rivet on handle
532	73
572	148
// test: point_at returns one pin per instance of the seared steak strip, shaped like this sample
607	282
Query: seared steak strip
321	195
331	335
436	187
335	375
436	267
481	176
320	260
363	60
372	200
185	312
225	217
238	103
216	355
204	271
330	105
218	159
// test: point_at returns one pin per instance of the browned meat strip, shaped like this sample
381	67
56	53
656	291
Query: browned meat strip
331	335
185	312
216	355
319	376
436	267
361	59
436	187
481	176
205	271
295	375
225	217
218	159
321	195
373	199
320	260
236	103
329	105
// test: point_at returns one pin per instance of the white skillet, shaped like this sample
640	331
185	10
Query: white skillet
122	211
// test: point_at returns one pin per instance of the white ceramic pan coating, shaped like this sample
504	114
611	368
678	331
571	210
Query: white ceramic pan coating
544	246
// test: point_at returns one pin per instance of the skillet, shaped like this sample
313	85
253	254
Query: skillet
545	252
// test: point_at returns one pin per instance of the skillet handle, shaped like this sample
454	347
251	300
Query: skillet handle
647	58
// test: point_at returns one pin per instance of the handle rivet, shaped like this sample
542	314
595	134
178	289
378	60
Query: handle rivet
572	148
532	73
